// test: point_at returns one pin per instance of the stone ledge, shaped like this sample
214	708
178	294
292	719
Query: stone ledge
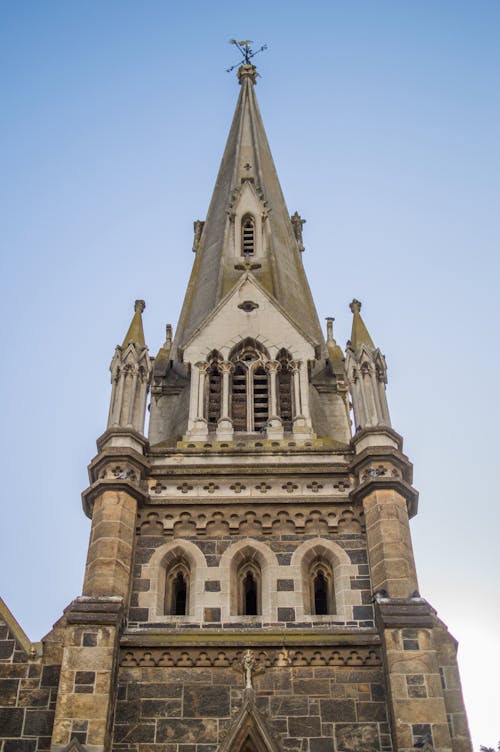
95	610
403	612
277	637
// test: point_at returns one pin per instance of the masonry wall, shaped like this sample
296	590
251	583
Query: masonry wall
184	701
28	692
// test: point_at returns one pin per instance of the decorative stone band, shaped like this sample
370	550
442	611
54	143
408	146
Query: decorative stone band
232	658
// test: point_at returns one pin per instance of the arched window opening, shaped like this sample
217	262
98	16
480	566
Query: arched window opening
248	235
249	387
250	595
320	594
214	395
321	588
285	390
249	581
239	398
260	399
177	590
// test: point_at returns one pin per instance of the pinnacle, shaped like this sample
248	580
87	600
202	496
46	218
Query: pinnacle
135	332
359	334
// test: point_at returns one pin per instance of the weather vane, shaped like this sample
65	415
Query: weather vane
246	51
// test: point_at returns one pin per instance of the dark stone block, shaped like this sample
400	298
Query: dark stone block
284	559
338	710
378	692
144	732
212	586
410	645
89	640
415	679
127	712
286	614
142	586
360	584
362	612
8	691
357	737
84	689
288	706
160	708
34	698
371	711
417	692
136	691
321	744
7	649
50	676
304	725
39	722
138	614
11	721
19	745
34	671
3	631
421	732
188	731
200	702
211	614
311	687
212	561
357	555
84	677
283	585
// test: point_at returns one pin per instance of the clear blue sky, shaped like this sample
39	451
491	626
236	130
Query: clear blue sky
384	121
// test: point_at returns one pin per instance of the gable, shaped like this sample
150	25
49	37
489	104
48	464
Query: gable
248	311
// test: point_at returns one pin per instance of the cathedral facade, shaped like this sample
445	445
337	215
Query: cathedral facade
250	583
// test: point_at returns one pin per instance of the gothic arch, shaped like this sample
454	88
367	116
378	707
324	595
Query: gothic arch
257	558
325	556
169	559
248	731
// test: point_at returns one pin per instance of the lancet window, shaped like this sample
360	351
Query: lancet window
248	235
177	590
321	588
214	391
285	389
249	387
249	585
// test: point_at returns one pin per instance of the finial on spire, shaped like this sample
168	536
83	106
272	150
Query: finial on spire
329	328
139	305
355	305
245	68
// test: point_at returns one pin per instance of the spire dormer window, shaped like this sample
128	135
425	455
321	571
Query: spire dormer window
248	235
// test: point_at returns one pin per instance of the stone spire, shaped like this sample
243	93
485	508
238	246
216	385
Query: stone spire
367	375
247	185
130	372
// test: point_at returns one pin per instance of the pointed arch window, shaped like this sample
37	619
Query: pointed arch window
249	387
214	391
321	588
249	587
177	590
285	390
248	235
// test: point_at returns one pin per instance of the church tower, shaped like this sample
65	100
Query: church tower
250	583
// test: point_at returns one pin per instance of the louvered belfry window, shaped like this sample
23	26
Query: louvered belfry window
249	387
214	395
284	390
248	235
239	398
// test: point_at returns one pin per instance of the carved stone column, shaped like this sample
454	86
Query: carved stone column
225	424
274	426
199	429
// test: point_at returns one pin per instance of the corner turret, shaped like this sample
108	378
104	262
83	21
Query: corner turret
367	375
130	372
